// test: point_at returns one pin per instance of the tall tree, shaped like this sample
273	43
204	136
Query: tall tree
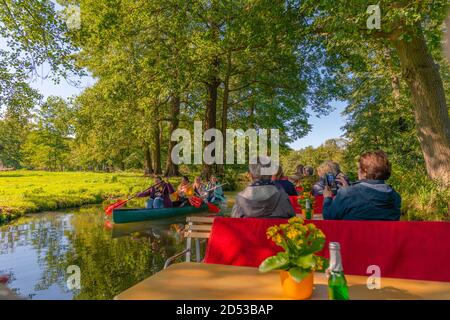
412	28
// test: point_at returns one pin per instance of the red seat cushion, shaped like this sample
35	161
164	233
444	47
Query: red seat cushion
294	203
318	204
411	250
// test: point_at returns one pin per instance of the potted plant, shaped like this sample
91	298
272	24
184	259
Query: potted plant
298	261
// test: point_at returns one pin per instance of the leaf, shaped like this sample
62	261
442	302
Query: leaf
306	262
280	261
298	274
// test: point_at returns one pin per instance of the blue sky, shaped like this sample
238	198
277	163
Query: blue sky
323	128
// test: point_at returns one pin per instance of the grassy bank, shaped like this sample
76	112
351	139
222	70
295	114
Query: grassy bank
33	191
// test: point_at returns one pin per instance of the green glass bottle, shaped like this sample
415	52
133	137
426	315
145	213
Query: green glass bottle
337	284
308	211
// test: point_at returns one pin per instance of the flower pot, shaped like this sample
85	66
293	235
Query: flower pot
297	290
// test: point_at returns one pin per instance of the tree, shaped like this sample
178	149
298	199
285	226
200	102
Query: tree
48	144
17	103
412	28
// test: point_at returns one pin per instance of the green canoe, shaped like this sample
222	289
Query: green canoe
135	215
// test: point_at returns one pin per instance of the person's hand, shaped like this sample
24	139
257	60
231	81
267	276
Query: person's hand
341	179
327	193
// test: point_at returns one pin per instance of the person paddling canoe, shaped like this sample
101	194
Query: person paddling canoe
159	195
183	193
215	192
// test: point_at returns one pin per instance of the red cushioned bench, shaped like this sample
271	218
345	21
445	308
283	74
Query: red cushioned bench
410	250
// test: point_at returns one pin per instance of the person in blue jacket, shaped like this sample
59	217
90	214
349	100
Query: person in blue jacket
370	198
282	182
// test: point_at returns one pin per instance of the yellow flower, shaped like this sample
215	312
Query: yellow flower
277	239
320	234
292	234
272	231
295	220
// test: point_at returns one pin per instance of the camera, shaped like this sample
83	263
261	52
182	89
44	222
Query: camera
330	180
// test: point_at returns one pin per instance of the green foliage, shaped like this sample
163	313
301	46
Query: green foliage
332	149
422	198
47	146
32	191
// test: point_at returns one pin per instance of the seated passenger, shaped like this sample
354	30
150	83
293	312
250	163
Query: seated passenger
308	171
183	193
368	199
159	195
215	192
299	171
283	182
329	170
262	199
199	187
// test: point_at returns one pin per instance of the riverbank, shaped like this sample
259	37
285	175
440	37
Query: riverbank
24	191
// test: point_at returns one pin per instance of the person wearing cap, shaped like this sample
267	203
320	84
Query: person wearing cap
262	198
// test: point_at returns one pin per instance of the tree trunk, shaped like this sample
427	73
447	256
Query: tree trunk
148	166
157	148
226	94
431	113
171	168
211	110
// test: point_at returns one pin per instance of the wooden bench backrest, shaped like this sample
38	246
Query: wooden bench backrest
198	227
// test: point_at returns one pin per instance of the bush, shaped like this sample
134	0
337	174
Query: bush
422	198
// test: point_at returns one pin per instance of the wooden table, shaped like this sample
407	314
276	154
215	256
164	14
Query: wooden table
200	281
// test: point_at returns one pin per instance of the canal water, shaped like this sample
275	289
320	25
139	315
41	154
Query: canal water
43	252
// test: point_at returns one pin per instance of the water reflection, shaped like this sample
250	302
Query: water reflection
36	251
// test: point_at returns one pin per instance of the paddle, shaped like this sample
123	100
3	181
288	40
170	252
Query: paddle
197	201
109	209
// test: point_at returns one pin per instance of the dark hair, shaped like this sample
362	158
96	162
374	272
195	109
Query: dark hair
375	165
308	170
159	178
186	178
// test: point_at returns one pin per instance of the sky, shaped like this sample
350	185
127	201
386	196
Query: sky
323	128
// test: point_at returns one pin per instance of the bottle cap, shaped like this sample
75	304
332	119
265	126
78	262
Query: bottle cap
334	246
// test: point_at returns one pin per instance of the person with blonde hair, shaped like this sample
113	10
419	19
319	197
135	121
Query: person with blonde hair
328	173
199	187
370	198
183	193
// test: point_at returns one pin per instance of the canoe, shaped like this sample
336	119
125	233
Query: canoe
161	225
136	215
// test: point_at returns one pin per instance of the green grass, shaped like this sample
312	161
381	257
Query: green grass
33	191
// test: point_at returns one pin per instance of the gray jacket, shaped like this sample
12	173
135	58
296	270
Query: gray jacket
262	201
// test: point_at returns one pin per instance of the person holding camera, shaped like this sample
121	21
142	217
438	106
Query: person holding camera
370	198
330	175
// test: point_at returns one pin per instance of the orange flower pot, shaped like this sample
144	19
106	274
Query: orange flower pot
297	290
